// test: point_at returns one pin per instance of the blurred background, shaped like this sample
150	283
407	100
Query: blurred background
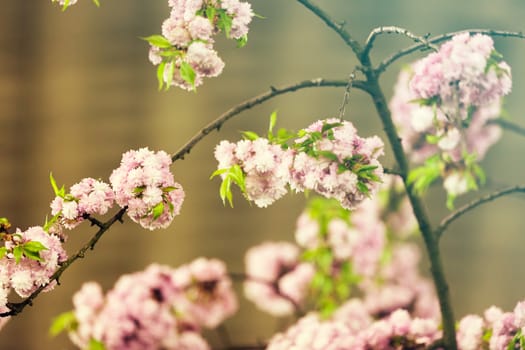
77	90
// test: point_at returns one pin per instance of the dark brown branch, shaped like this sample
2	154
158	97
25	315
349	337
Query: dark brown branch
508	125
437	39
338	28
423	40
472	205
254	101
16	308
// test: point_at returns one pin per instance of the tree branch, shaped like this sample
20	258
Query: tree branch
423	40
508	125
254	101
437	39
16	308
472	205
338	28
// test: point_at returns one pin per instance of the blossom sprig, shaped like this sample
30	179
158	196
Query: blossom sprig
145	186
160	307
442	106
328	157
184	53
66	3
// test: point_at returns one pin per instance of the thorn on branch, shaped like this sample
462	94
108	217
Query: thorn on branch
273	89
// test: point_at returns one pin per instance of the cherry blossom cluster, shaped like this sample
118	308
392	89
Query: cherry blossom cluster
265	168
328	157
344	250
277	281
28	259
496	330
443	105
184	52
354	329
158	308
144	184
85	198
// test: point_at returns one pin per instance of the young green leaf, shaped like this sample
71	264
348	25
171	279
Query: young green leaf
3	252
158	210
242	41
97	3
17	253
171	70
210	13
187	73
95	345
160	74
66	321
250	135
158	41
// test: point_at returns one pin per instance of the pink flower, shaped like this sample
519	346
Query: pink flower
266	168
337	176
470	333
144	184
276	281
28	274
205	296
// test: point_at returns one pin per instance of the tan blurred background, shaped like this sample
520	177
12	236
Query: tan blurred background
77	90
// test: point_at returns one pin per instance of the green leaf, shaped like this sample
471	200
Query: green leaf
273	121
96	345
225	191
50	223
160	74
219	172
432	139
171	71
158	210
361	187
328	155
3	252
158	41
168	189
17	253
242	41
66	321
34	246
250	135
210	13
139	190
329	126
96	2
224	22
54	184
187	73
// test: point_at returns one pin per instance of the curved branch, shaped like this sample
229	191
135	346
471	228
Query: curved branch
437	39
16	308
472	205
338	28
423	40
273	92
508	125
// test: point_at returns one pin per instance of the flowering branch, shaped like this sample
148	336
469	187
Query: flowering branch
16	308
474	204
437	39
423	40
254	101
338	28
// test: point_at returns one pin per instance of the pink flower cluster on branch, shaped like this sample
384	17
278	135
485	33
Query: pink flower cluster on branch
327	157
27	261
340	254
142	183
357	331
184	52
442	105
158	308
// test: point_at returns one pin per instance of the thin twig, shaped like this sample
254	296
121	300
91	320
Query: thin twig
472	205
508	125
437	39
338	28
346	95
254	101
16	308
423	40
